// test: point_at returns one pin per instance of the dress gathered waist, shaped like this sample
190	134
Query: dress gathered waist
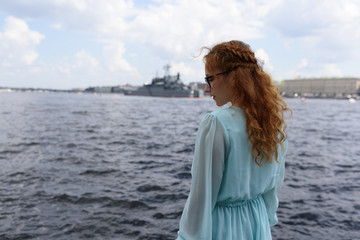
238	203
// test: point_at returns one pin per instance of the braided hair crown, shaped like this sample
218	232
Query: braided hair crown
233	54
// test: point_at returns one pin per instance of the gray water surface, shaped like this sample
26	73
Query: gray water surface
118	167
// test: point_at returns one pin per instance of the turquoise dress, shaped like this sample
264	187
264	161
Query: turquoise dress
231	197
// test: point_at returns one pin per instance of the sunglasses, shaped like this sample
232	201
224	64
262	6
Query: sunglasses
209	79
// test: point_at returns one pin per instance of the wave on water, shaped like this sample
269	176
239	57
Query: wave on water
99	167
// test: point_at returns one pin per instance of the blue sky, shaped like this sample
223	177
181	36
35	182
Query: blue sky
67	44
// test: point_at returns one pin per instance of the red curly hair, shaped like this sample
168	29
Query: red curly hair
256	94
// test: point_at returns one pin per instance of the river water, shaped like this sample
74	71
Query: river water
83	166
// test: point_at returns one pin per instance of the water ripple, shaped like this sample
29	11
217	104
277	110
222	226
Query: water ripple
99	167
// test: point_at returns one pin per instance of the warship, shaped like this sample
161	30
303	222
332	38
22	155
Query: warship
167	86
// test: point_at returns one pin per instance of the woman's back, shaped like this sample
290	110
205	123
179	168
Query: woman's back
242	210
231	197
243	179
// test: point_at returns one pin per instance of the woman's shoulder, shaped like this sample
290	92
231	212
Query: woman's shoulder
228	112
226	116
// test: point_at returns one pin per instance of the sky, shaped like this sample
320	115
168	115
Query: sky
65	44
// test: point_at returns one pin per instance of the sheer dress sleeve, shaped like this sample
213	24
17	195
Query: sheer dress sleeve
207	171
270	197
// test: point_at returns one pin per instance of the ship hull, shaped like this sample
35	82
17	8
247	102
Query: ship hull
159	92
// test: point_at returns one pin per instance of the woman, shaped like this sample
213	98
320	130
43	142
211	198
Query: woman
239	163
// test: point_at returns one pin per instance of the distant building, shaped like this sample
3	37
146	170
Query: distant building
198	89
98	89
321	87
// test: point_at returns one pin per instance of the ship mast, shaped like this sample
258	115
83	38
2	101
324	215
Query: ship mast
167	69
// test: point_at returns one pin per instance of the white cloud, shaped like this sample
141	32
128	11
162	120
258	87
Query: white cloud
29	57
57	26
316	38
85	61
304	63
187	69
330	70
317	70
326	30
81	63
171	29
264	58
175	25
17	43
77	4
184	26
104	17
113	53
